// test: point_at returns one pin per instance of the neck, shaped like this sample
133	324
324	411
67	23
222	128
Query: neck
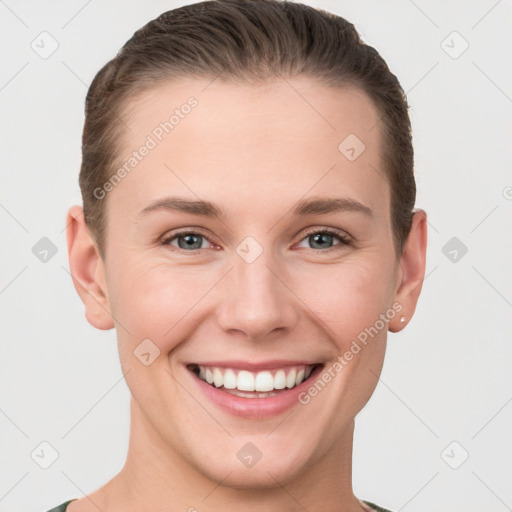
156	478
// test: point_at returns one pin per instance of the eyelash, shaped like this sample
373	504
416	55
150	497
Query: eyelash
323	231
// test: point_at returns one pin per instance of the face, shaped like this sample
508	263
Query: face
222	310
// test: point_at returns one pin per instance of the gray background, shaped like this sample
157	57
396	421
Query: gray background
446	377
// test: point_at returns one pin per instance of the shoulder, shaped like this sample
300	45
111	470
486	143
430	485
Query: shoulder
62	507
376	507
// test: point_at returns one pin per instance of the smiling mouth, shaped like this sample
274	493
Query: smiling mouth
250	384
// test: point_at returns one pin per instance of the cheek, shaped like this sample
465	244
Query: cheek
349	296
161	301
151	301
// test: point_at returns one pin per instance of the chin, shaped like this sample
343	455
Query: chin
261	476
251	468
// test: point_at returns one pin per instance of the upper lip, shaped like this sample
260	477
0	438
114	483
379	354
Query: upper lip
254	366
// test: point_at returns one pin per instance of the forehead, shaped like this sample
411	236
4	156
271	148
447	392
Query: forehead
286	137
300	104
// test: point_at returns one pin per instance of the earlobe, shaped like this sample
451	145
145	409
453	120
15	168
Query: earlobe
87	270
412	271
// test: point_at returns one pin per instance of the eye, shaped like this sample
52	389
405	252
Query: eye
190	240
187	240
322	237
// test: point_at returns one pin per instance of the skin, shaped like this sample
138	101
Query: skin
256	151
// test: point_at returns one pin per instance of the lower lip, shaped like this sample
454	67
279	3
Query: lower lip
255	407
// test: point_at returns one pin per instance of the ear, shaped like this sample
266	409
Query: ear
87	270
412	271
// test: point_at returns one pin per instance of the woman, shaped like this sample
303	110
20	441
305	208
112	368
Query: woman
248	228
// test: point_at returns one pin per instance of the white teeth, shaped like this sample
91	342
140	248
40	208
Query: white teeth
257	384
230	380
264	381
218	380
251	395
245	381
280	380
290	378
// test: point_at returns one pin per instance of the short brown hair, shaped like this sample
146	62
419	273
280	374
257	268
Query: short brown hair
246	41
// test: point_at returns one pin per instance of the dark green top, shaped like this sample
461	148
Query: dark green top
62	508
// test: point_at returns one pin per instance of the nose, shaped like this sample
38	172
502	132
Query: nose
257	301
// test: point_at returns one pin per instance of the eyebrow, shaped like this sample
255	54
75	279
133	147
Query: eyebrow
314	206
